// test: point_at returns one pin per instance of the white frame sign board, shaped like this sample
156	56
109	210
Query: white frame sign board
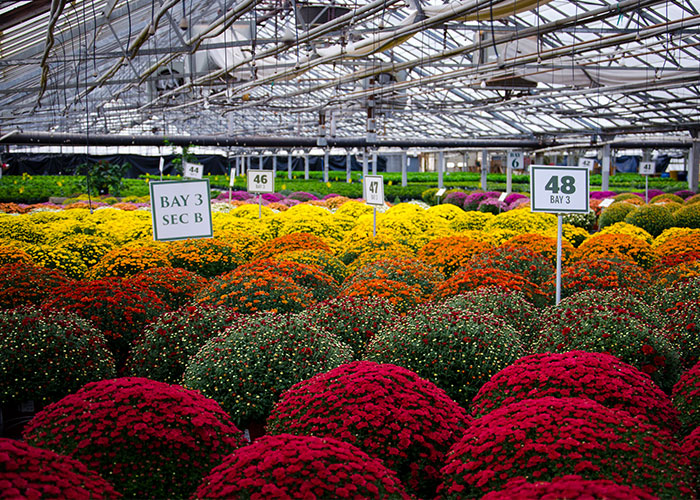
192	170
261	181
181	209
588	163
647	168
561	190
374	190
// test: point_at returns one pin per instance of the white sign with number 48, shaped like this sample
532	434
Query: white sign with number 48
374	190
559	189
261	181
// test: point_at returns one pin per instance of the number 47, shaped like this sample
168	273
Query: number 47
566	187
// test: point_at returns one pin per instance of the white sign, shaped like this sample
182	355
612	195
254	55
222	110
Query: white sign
161	164
180	209
647	168
588	163
232	177
559	189
192	170
606	202
261	181
374	190
515	160
440	192
503	197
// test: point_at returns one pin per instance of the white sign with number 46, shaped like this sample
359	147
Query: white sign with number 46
261	181
374	190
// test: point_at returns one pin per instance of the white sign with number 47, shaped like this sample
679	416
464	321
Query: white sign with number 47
374	190
261	181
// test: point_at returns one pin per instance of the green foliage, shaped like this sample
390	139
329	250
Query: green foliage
185	155
103	177
614	213
652	218
688	216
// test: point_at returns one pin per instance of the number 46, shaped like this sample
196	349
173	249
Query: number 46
566	187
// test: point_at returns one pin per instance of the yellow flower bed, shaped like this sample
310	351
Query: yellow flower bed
625	228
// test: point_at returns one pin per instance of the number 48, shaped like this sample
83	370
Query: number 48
566	186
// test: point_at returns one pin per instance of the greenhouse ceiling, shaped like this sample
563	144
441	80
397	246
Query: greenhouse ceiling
391	69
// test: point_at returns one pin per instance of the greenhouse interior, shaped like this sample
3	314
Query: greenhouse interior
407	249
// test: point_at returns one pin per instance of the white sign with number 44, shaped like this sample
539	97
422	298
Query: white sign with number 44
374	190
192	170
261	181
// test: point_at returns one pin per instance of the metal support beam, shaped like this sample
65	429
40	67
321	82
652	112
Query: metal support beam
51	138
306	166
326	165
404	169
441	169
605	185
348	167
694	163
484	168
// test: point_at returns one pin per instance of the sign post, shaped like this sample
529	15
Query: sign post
161	164
261	181
560	190
647	168
515	162
374	195
180	209
231	180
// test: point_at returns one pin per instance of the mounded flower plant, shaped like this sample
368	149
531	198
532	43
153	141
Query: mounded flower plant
163	350
147	438
469	279
686	399
548	437
569	487
309	276
173	285
30	472
601	274
288	466
22	283
354	320
410	271
507	305
596	376
613	330
527	263
48	354
456	350
250	364
385	410
451	253
119	307
251	290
